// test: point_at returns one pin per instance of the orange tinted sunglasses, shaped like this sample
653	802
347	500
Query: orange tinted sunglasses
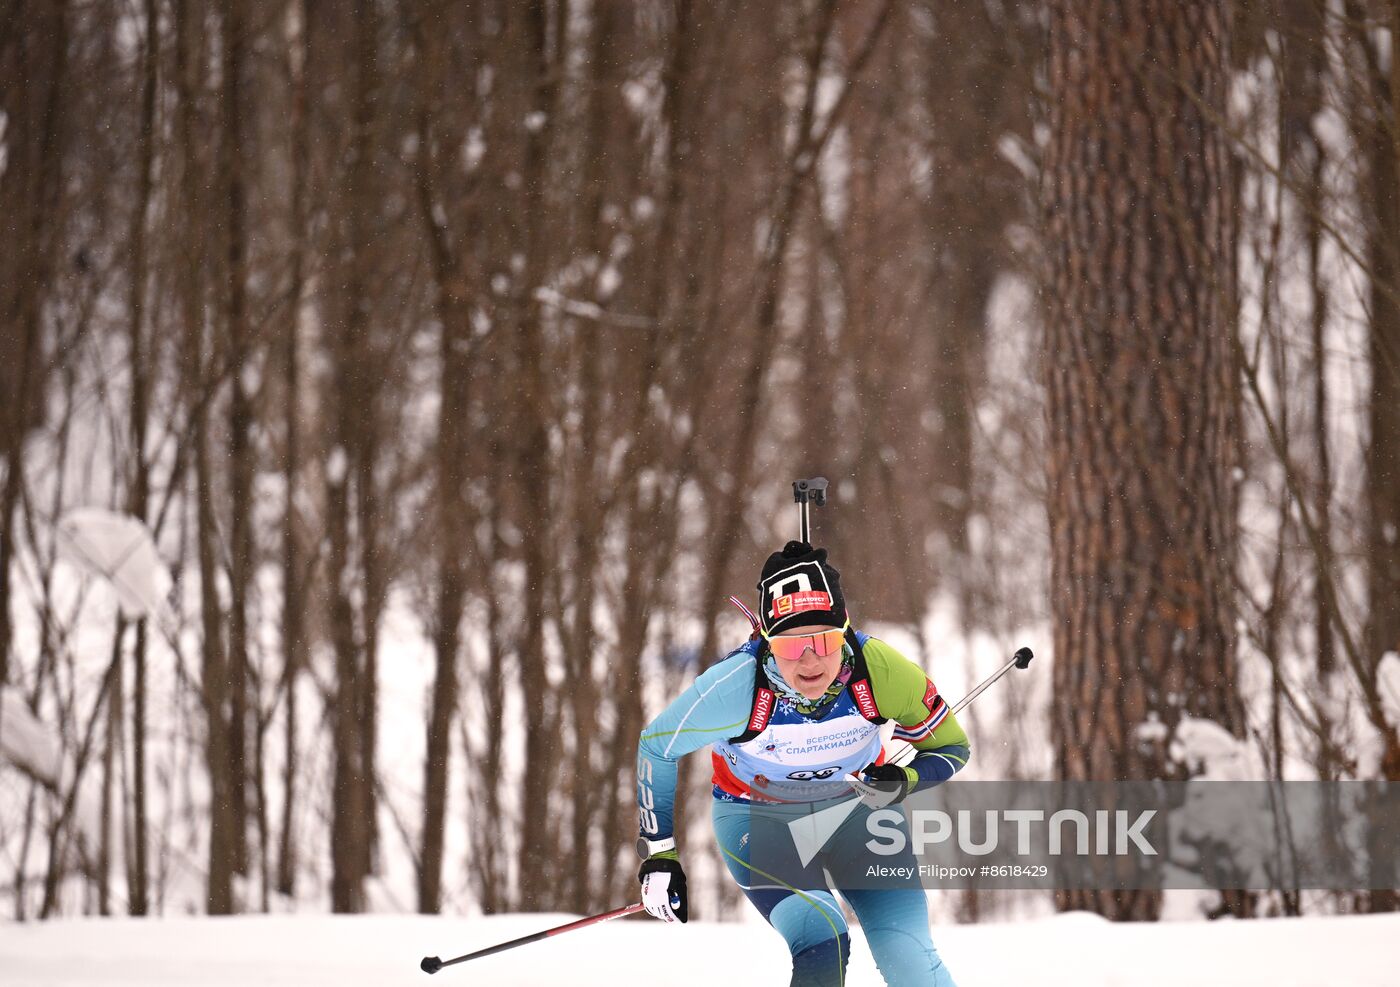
790	647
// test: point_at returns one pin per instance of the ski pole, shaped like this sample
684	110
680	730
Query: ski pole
431	964
1021	659
878	798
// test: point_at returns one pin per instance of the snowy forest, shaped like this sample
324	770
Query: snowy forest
393	392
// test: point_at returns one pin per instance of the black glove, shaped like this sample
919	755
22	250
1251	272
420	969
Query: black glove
663	887
893	780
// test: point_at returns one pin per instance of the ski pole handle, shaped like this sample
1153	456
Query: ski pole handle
431	964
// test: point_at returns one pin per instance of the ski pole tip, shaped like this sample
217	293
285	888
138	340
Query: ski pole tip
1023	657
431	964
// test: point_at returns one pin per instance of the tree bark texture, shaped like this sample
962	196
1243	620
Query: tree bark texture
190	55
139	491
356	589
293	578
240	451
1140	382
532	459
1383	447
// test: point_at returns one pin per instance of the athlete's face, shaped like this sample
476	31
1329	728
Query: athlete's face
811	674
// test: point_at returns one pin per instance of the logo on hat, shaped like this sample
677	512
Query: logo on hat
785	606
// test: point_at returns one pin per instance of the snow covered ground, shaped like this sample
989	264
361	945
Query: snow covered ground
1075	950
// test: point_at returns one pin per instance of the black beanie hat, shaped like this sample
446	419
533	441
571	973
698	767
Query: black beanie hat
798	588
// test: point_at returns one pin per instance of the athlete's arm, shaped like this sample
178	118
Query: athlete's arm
907	696
714	708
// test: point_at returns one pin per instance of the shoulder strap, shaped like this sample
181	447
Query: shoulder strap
764	699
860	686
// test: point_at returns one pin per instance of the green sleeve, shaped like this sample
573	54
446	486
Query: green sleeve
906	695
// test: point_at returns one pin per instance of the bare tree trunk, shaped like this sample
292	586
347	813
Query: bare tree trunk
484	779
454	279
351	511
240	415
451	600
214	674
1383	450
22	861
110	765
375	583
262	722
1141	386
190	55
293	597
1324	613
537	885
33	87
139	494
1382	489
605	151
348	825
451	534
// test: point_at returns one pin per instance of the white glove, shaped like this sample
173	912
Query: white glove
663	889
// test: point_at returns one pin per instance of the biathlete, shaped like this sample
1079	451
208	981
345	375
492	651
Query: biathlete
791	714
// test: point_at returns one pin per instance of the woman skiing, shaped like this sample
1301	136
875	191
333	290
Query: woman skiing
791	714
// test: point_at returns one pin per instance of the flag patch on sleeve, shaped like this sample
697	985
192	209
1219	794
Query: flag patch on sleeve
937	713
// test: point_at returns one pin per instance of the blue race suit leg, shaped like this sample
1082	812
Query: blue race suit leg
893	913
895	922
810	920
